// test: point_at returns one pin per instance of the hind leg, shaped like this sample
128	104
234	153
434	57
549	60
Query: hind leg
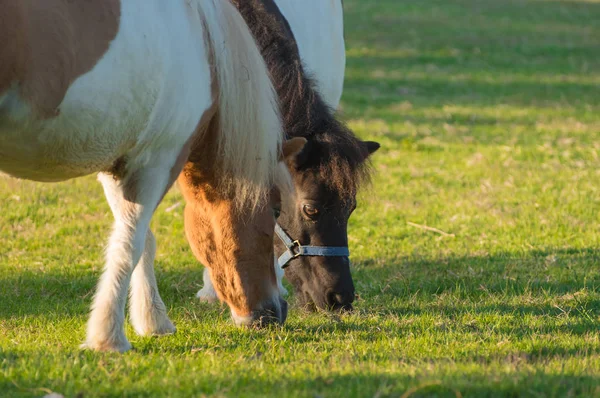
133	201
147	311
207	293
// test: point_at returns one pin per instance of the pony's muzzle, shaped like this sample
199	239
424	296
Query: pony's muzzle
273	313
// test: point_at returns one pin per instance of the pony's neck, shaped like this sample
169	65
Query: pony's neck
198	178
305	114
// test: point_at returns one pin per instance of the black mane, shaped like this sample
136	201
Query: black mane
333	150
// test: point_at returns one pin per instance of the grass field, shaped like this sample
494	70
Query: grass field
489	116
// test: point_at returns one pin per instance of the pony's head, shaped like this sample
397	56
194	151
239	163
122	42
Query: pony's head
236	242
326	174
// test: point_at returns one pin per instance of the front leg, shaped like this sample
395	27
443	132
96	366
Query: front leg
133	201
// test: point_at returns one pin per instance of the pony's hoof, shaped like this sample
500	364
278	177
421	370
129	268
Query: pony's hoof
207	296
164	328
106	346
156	323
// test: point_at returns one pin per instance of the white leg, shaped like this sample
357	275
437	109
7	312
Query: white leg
279	273
207	293
133	202
147	311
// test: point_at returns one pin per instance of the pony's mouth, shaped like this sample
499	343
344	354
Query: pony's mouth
307	302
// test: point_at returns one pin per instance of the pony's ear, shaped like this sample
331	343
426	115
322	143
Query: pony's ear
292	147
370	147
308	152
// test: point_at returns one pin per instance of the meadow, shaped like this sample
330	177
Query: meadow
475	250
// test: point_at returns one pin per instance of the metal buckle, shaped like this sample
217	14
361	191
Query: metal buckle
296	253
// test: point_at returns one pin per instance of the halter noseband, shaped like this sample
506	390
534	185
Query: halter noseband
295	249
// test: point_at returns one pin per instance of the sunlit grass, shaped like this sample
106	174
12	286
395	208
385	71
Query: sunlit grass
475	250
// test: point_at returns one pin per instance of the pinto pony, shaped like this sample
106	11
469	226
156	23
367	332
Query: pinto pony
303	46
137	91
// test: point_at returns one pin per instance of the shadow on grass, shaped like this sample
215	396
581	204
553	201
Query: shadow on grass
55	294
526	24
450	288
424	383
470	52
446	89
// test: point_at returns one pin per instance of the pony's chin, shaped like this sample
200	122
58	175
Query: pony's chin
307	302
241	320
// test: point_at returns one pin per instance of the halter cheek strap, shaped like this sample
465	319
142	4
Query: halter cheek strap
295	249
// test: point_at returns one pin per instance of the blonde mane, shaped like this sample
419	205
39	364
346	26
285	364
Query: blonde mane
249	139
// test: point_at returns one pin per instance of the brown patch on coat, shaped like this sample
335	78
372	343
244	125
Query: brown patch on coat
236	245
46	45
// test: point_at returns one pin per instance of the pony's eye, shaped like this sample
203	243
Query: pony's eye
276	212
311	211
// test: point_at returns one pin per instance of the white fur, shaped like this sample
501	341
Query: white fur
147	311
142	101
318	27
133	102
125	249
207	293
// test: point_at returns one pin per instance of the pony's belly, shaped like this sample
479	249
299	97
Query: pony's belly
77	142
49	159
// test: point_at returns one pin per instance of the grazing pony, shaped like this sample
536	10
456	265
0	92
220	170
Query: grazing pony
305	56
137	91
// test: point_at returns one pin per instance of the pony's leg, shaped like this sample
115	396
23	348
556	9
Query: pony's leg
207	293
133	201
147	311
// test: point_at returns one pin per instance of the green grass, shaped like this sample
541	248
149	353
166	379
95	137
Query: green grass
489	116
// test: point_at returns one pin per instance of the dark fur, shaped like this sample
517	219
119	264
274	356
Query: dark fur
332	149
